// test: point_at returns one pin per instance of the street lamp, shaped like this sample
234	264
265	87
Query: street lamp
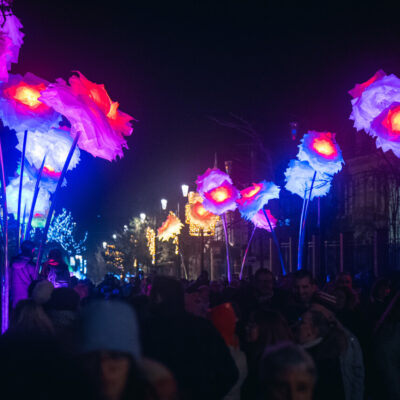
164	204
104	245
185	190
125	228
114	236
142	217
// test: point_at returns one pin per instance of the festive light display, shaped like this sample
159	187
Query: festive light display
54	144
20	107
171	227
321	151
200	221
151	243
261	222
91	112
217	190
11	39
63	231
255	197
42	203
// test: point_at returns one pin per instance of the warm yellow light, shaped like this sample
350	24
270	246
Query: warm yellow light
28	95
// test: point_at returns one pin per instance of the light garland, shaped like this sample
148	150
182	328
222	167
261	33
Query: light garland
151	243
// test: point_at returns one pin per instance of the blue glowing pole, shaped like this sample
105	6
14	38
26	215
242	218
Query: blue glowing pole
245	253
5	283
34	198
303	220
23	226
21	180
275	239
53	202
228	265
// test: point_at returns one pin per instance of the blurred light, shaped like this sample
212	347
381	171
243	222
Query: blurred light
164	203
114	236
125	228
142	217
185	190
104	245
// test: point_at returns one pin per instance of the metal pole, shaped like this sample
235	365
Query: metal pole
245	253
21	179
228	266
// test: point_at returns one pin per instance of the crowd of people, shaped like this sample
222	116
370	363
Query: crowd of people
158	337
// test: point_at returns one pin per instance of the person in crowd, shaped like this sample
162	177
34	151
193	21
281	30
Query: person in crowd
266	328
188	345
55	269
29	318
325	341
344	279
22	272
287	372
224	319
41	291
109	348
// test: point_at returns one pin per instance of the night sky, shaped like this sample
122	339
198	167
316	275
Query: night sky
173	65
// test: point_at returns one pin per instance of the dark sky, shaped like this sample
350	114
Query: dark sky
172	65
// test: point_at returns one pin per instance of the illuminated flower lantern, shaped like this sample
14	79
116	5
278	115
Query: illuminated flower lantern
321	151
55	144
299	176
376	95
11	40
199	219
170	228
20	107
217	190
92	113
42	203
261	222
255	197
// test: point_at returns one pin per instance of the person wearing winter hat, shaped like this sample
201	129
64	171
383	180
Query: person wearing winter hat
42	291
110	350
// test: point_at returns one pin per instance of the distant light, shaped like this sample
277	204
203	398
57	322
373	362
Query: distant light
142	217
185	190
114	236
164	203
125	228
104	245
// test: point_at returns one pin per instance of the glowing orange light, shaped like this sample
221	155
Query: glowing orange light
201	210
219	194
251	191
27	94
51	171
324	147
392	121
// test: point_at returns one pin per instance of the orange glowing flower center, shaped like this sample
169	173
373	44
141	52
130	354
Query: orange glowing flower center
201	210
393	120
324	147
251	191
29	95
219	194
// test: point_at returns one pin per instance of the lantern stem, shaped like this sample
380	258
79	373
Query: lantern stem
245	253
53	202
228	266
275	239
5	283
34	198
303	220
21	179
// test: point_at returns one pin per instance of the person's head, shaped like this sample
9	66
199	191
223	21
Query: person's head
167	294
344	279
29	318
109	344
55	255
287	372
268	328
264	282
41	292
27	248
346	299
304	287
380	290
63	299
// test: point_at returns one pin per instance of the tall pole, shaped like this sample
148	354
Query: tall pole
228	266
245	253
53	202
5	284
202	252
21	179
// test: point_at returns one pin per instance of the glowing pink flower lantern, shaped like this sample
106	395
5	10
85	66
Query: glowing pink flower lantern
261	222
218	192
171	228
90	111
255	197
321	151
20	107
11	40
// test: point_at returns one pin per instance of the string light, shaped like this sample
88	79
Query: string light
151	243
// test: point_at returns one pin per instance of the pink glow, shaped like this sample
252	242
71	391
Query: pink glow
325	147
50	172
261	222
27	95
359	88
392	121
250	192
